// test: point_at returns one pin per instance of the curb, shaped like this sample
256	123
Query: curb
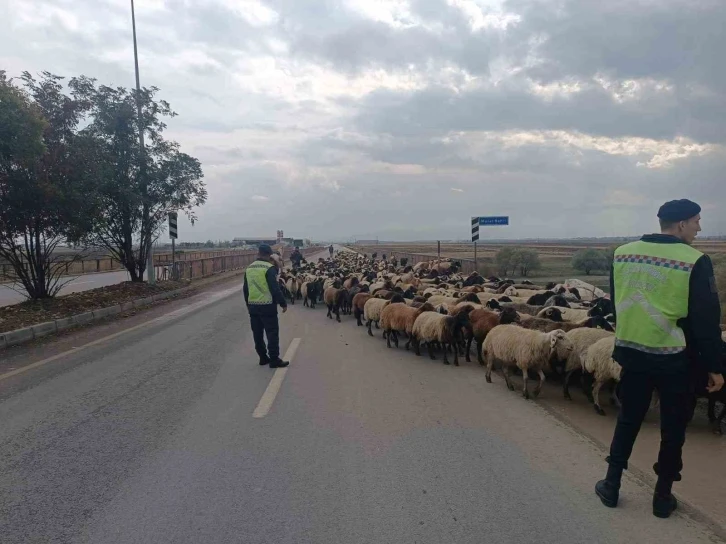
27	334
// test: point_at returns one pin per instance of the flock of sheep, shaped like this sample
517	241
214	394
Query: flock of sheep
529	329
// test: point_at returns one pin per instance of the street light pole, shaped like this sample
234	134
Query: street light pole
150	250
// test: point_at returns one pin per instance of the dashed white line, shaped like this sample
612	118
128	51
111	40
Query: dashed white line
268	397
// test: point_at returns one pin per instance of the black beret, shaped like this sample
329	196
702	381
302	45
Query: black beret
678	210
264	249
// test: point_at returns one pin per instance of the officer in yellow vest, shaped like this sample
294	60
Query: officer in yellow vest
262	295
667	311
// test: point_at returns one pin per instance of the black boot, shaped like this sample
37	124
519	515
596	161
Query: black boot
609	489
278	363
264	360
664	503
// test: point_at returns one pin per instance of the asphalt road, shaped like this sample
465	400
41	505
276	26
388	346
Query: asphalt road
149	437
13	293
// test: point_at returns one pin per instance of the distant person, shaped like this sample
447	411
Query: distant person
668	312
296	258
330	250
262	295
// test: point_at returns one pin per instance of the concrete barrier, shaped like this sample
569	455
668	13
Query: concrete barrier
80	319
105	312
64	323
18	336
44	329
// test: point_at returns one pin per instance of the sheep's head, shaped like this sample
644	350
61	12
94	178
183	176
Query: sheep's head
493	304
508	315
505	299
560	345
552	313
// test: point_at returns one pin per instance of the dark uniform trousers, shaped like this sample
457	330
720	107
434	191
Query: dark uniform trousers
266	325
636	389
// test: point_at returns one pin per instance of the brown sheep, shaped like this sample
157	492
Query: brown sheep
399	317
333	299
483	321
359	302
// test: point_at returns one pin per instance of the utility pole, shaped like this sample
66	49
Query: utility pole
151	275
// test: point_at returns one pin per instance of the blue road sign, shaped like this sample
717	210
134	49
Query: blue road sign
491	221
476	222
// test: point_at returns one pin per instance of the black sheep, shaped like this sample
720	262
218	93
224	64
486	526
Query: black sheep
540	298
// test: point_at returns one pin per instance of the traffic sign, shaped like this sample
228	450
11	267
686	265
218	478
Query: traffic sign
173	225
488	221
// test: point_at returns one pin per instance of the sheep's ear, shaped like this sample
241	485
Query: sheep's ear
553	340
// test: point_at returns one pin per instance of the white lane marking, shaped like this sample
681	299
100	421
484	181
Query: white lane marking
166	317
268	397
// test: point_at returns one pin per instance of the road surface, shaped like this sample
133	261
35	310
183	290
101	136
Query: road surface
149	437
13	293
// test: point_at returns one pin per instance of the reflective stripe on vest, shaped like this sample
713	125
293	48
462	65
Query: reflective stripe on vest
651	295
258	290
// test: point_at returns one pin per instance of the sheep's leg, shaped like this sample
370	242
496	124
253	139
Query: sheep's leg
416	346
479	350
395	338
368	324
456	357
337	314
330	309
387	336
305	302
430	346
505	373
446	359
596	396
525	384
538	389
468	348
410	339
357	315
490	364
566	385
587	383
376	323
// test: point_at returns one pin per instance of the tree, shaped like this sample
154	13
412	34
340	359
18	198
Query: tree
590	259
138	188
527	260
46	195
506	259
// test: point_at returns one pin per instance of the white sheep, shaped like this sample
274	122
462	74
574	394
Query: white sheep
432	327
568	314
582	339
372	311
526	349
599	362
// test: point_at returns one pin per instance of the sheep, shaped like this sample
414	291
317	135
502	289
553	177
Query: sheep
310	291
557	300
539	299
397	317
582	339
599	362
432	327
525	349
334	298
372	310
483	321
574	314
359	302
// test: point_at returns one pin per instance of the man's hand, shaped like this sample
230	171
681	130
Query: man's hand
284	309
715	382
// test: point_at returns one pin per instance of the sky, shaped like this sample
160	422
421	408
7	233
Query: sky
401	119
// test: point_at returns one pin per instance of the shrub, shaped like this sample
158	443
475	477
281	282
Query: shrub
590	259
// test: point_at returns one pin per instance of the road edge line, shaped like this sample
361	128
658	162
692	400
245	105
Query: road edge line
273	388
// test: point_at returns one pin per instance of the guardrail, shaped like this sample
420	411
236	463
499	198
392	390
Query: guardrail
200	268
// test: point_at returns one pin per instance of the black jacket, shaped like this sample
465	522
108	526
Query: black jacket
701	327
277	296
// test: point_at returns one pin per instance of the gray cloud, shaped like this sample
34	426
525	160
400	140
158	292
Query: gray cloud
575	117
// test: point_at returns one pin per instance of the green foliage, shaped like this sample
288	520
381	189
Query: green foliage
46	179
511	258
587	260
527	260
138	189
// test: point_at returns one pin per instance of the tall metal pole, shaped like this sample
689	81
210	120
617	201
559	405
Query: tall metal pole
151	275
476	266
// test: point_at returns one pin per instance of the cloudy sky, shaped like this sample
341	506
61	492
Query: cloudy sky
402	118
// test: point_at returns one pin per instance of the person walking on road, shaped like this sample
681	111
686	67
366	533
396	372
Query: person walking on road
668	311
330	250
296	258
262	296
